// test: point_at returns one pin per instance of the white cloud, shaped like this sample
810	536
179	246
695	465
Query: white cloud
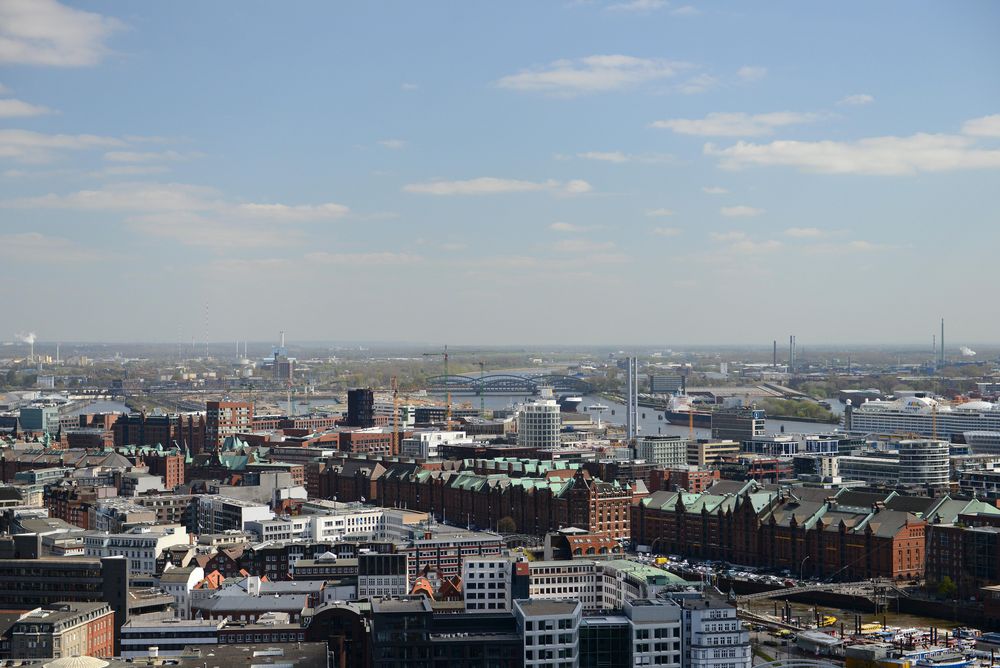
666	231
363	259
714	190
751	72
36	147
592	74
394	144
192	215
888	156
621	157
46	32
856	100
129	170
3	89
987	126
566	227
582	246
804	232
33	247
749	247
686	10
408	86
698	84
143	156
19	109
137	197
740	211
604	156
721	124
728	237
488	185
659	213
285	213
638	6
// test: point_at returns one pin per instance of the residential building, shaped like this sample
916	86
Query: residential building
64	629
141	545
179	583
538	425
713	635
224	419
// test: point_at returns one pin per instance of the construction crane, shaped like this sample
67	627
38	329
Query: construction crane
394	383
447	418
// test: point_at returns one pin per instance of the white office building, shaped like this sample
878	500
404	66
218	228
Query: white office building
924	462
140	545
538	425
486	583
551	632
425	444
179	583
713	636
217	514
168	636
665	451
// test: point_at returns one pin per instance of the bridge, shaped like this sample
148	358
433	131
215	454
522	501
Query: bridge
876	590
507	384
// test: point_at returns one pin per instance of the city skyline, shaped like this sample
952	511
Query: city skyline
782	168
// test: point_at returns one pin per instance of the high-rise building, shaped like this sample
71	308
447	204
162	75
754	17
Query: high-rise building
632	399
738	423
538	424
226	418
924	462
361	407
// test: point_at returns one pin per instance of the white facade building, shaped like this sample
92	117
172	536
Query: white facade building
486	583
179	583
425	444
551	632
538	425
924	462
141	545
169	636
657	629
217	514
713	636
667	451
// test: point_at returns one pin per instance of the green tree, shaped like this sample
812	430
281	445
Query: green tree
947	587
506	525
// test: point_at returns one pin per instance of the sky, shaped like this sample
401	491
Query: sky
518	172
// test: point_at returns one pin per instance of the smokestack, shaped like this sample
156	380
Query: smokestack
57	353
942	341
282	338
791	352
774	360
32	355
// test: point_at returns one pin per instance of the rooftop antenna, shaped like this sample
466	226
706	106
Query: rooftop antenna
57	353
282	338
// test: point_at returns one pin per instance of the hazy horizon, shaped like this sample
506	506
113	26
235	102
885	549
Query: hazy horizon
582	171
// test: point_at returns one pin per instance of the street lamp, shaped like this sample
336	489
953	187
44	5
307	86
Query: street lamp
802	565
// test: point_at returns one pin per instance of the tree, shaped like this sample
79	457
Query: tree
947	587
506	525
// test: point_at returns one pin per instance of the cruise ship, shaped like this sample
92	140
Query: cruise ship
923	416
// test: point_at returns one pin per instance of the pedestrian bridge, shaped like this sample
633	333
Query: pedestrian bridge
877	589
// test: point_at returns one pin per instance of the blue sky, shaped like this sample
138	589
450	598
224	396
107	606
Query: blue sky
484	172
